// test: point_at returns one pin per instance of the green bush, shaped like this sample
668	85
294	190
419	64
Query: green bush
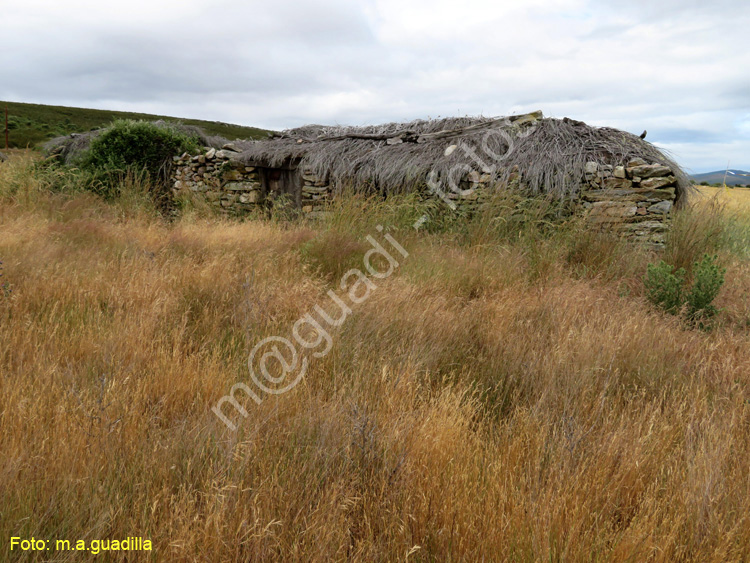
137	145
664	287
708	278
134	149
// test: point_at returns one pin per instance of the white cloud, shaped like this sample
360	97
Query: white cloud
674	67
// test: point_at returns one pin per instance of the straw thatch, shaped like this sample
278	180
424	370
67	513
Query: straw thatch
69	147
549	154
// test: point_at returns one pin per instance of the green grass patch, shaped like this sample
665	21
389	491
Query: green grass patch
31	125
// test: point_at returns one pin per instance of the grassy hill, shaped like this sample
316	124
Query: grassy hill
732	177
33	124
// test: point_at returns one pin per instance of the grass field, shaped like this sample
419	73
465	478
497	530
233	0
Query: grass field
734	198
33	124
506	394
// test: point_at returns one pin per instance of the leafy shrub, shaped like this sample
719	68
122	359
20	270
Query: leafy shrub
139	145
708	278
664	286
135	149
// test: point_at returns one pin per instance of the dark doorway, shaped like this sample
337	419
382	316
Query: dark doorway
282	182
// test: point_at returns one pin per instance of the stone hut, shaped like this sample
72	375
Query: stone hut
619	180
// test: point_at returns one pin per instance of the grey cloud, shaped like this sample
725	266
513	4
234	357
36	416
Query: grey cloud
674	67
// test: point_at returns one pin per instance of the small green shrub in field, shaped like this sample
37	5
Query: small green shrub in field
708	278
664	286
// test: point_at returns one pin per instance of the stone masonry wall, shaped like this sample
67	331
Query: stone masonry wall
316	193
635	200
222	182
235	189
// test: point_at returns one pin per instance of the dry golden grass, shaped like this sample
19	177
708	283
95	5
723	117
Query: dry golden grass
734	198
506	400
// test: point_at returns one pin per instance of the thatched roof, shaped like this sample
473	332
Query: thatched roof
550	154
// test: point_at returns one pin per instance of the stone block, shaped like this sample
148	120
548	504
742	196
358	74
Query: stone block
250	197
648	171
663	207
616	184
633	162
612	209
640	196
313	190
241	186
657	183
645	227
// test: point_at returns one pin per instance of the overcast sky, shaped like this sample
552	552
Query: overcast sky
678	68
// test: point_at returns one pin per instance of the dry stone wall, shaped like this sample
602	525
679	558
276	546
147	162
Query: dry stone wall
219	180
634	200
316	193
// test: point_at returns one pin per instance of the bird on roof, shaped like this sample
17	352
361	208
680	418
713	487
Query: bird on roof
643	135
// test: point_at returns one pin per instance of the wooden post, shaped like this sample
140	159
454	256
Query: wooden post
6	128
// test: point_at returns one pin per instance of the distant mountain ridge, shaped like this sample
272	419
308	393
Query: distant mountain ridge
32	124
733	177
